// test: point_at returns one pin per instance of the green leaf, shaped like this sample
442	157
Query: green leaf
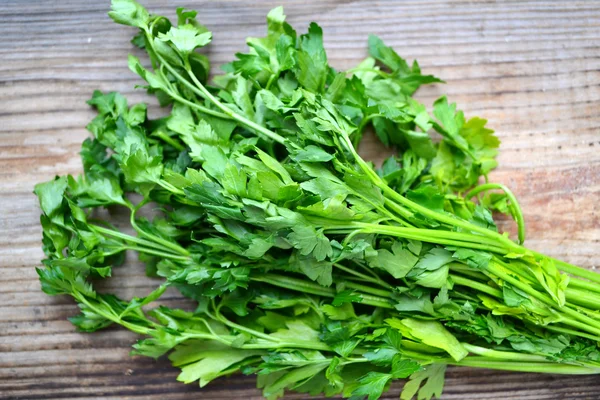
434	259
346	296
387	55
452	122
89	320
197	136
297	331
234	180
398	262
309	241
319	271
427	196
258	247
295	377
339	313
129	12
473	258
155	81
432	333
311	154
372	385
206	360
312	67
382	356
187	38
137	303
553	282
275	166
434	376
50	195
403	368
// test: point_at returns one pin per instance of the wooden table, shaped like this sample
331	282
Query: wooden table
532	68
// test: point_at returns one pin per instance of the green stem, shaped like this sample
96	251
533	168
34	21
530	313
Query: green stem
241	328
128	238
159	253
111	317
468	271
376	281
583	322
166	185
573	269
514	204
576	283
540	367
434	233
459	280
271	80
427	235
165	243
310	345
555	328
185	82
403	212
368	289
447	219
198	107
583	298
503	355
366	120
167	139
243	120
311	288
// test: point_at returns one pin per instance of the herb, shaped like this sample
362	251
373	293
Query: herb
310	268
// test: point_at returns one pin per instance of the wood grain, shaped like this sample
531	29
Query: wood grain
532	68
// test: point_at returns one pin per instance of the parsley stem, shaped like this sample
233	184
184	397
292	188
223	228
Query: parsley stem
167	139
271	80
517	213
573	269
243	120
581	284
431	236
198	107
165	243
376	281
166	185
462	281
541	367
584	298
447	219
128	238
110	316
367	289
504	355
398	208
468	271
365	121
241	328
572	332
310	345
184	81
301	285
159	253
579	320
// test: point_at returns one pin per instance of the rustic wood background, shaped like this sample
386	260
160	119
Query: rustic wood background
532	68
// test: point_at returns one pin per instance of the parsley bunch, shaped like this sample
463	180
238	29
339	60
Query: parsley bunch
309	266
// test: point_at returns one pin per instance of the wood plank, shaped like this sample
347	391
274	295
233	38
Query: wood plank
531	67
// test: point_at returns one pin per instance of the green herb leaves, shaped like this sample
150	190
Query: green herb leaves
307	266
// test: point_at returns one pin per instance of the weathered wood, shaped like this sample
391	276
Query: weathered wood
532	68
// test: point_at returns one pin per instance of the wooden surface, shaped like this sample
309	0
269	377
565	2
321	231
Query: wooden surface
532	68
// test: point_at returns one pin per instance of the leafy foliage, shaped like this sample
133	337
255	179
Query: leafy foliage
309	268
